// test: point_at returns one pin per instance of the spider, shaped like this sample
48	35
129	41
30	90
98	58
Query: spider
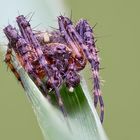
55	57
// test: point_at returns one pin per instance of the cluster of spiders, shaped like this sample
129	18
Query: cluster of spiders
55	57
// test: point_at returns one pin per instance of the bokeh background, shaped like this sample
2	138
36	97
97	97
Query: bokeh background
117	34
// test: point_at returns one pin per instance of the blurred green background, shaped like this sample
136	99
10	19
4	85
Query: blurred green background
117	32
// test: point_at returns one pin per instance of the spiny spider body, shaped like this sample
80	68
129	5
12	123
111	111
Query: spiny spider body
56	57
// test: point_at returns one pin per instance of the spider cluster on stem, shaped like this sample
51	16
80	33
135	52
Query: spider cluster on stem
55	57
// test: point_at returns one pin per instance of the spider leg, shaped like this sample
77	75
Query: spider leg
59	100
8	59
30	37
24	50
55	82
27	32
72	77
86	44
86	32
78	53
21	48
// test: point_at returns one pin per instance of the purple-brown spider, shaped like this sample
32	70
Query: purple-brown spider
56	57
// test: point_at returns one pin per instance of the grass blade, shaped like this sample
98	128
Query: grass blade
82	121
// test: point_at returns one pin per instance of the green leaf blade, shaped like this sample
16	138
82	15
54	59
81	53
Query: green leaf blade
81	122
